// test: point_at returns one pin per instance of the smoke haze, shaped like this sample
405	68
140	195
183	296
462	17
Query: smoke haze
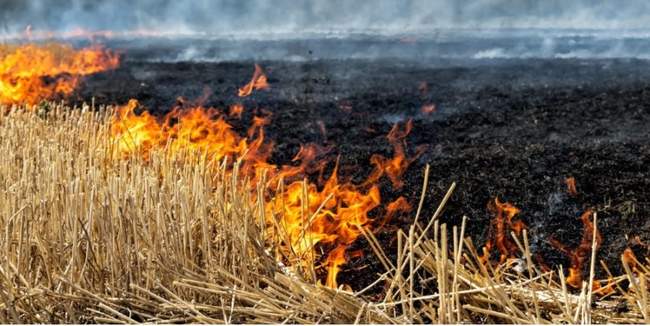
295	16
221	30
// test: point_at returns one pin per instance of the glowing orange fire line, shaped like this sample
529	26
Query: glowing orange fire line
30	73
328	213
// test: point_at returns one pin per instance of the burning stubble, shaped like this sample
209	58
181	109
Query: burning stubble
31	73
304	215
183	208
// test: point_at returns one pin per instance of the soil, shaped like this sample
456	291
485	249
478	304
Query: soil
510	128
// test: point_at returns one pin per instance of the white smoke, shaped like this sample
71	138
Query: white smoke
218	17
480	29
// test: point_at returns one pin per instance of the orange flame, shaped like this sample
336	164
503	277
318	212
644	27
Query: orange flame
30	73
398	205
257	82
502	224
571	186
193	128
606	289
343	212
629	258
135	132
394	168
236	111
328	213
579	255
428	109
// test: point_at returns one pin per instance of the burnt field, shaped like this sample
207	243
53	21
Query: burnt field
508	128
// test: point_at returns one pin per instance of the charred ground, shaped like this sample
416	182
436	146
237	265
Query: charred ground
508	128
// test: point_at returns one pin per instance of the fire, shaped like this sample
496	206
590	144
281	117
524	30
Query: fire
335	259
398	205
205	130
629	258
502	223
606	289
30	73
394	168
236	111
571	186
258	81
344	210
579	255
135	132
193	128
328	213
428	109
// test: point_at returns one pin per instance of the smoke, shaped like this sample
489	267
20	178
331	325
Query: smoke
217	17
412	29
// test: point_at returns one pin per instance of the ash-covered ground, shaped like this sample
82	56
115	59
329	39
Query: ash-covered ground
512	128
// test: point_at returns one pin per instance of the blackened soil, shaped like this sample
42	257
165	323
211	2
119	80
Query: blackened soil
513	129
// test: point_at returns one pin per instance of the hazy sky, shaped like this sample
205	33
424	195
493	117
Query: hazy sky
231	16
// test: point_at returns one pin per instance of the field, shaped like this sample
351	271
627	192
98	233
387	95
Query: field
334	190
92	236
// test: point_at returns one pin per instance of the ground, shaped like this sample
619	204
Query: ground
512	128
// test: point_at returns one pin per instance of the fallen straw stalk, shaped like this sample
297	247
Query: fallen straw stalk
90	236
